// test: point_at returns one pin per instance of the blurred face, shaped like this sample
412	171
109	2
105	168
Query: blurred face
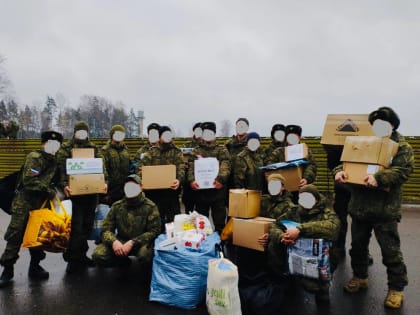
198	133
132	189
51	146
118	136
166	137
253	144
382	128
241	128
274	187
292	139
279	135
307	200
153	136
81	134
209	135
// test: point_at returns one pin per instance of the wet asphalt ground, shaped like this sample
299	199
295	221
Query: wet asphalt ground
109	291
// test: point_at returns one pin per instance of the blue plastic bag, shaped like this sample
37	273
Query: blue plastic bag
179	276
100	213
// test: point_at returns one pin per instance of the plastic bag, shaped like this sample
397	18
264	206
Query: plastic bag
179	275
222	288
48	229
101	212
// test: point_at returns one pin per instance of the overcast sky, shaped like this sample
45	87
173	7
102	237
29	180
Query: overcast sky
289	62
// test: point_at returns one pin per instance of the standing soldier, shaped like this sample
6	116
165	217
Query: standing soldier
214	198
129	229
377	206
153	140
247	173
166	153
188	194
2	130
35	185
84	206
117	163
278	135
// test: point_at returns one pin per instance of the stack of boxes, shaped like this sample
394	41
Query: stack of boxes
244	208
85	173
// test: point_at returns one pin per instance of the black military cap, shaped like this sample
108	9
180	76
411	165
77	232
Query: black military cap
244	120
277	127
209	125
153	126
387	114
294	129
51	135
134	178
196	125
162	129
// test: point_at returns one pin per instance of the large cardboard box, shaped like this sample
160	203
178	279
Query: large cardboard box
247	231
244	203
296	152
84	166
86	184
158	176
292	175
369	150
82	153
357	172
339	126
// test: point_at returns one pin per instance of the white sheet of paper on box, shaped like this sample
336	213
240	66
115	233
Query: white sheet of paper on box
295	152
84	166
372	169
206	171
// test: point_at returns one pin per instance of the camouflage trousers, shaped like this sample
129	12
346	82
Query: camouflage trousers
388	238
104	255
16	231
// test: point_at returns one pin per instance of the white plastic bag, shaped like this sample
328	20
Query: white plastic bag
222	288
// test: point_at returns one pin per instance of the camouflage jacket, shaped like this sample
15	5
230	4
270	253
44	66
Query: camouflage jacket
275	206
37	177
246	171
235	146
211	150
65	152
192	143
309	170
384	202
164	154
117	163
319	222
134	219
270	148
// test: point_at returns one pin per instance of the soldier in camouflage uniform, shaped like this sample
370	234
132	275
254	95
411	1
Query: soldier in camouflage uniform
293	135
247	173
278	135
83	206
213	199
377	206
35	185
316	221
117	163
188	195
167	200
153	140
129	229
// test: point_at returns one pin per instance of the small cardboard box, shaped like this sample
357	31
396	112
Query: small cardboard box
338	126
84	166
83	153
369	150
158	176
244	203
296	152
86	184
247	231
292	175
357	172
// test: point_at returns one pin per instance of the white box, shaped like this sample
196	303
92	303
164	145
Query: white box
84	166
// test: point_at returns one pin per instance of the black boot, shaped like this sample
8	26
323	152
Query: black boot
6	276
36	272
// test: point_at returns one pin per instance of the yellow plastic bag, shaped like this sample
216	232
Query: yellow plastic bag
48	229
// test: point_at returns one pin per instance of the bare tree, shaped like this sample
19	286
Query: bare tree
4	80
225	128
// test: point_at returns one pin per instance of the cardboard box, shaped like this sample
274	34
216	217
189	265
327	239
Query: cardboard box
158	176
339	126
83	153
296	152
369	150
244	203
84	166
247	231
292	175
86	184
357	172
